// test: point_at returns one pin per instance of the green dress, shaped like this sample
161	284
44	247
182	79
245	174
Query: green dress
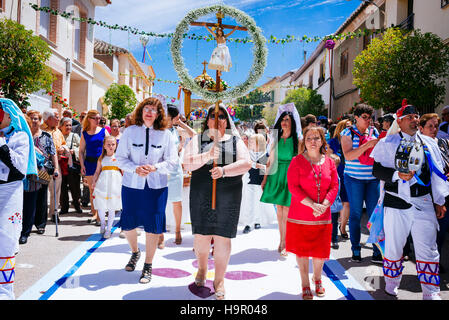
276	188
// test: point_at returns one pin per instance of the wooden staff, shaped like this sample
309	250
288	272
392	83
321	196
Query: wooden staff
217	109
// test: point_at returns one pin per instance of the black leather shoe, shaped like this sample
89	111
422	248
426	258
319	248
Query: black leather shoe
40	230
23	240
63	211
257	226
247	229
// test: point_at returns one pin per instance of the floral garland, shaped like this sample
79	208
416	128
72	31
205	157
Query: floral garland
260	53
272	39
62	101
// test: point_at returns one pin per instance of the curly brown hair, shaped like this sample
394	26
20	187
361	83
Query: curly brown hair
160	123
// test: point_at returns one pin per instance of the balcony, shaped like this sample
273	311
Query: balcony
408	23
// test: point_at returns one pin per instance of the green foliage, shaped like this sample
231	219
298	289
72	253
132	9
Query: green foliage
122	100
23	58
307	101
255	98
412	66
269	114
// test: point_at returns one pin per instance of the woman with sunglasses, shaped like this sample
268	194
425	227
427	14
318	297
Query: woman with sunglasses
224	145
361	186
90	148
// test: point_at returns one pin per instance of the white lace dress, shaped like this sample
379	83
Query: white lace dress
221	58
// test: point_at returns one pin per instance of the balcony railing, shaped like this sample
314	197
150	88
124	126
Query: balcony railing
408	23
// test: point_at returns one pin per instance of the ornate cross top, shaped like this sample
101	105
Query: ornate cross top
219	24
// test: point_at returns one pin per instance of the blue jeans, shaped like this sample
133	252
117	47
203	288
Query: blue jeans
359	191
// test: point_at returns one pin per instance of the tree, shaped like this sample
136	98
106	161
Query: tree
412	66
122	100
269	114
255	98
23	59
307	101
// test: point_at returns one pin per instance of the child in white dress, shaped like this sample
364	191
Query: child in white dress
254	212
107	186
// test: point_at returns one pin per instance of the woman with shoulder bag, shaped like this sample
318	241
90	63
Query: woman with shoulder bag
71	178
361	186
35	209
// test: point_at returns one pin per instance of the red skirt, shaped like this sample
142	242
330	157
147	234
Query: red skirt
312	241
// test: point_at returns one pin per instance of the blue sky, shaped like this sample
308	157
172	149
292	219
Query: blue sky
274	17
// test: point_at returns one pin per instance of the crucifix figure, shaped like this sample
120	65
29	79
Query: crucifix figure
221	61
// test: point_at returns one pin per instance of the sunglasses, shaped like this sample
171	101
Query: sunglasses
220	116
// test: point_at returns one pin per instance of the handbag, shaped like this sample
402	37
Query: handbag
365	158
42	176
75	168
64	165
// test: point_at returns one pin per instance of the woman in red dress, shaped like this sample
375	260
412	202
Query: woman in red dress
313	182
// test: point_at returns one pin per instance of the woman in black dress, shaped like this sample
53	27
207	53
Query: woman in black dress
219	225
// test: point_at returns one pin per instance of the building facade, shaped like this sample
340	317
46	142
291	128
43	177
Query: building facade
70	41
116	64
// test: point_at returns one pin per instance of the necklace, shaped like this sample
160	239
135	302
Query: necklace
317	177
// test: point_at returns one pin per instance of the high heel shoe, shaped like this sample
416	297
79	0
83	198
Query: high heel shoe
219	294
178	238
319	289
200	282
307	293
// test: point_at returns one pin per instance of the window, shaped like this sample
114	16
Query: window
322	73
310	86
79	35
131	76
47	21
367	40
344	64
44	18
444	3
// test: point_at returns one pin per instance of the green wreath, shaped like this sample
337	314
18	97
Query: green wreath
260	53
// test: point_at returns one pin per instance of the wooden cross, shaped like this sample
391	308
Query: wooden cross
218	88
204	63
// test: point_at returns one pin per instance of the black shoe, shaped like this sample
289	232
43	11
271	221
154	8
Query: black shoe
85	204
133	261
356	258
247	229
257	226
53	219
23	240
442	269
40	230
78	209
64	211
335	245
377	259
145	277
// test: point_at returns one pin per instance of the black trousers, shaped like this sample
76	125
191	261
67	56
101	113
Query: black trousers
29	212
70	182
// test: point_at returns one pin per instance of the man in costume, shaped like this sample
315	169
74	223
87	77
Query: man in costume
17	159
414	199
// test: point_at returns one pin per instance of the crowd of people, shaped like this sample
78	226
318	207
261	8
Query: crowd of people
315	176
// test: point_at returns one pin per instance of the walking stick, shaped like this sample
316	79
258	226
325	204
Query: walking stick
54	205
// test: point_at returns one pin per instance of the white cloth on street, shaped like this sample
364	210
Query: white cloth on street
107	194
221	58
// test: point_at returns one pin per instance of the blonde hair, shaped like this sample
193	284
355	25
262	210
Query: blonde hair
340	127
90	113
260	140
103	152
